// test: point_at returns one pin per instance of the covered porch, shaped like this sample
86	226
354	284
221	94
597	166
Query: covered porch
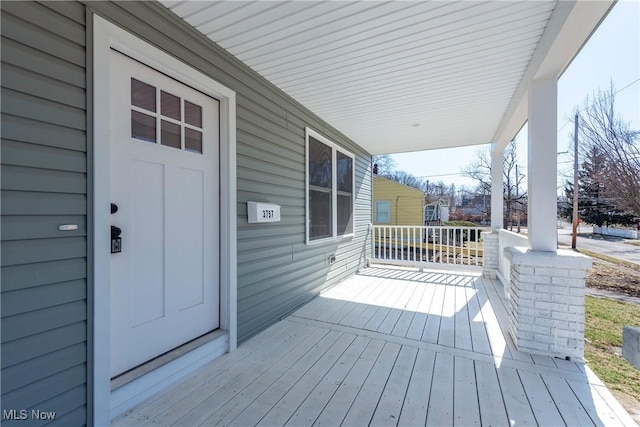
393	346
389	346
412	76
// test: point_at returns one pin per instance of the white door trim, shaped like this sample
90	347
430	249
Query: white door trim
106	36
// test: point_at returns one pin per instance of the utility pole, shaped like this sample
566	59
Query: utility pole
574	236
518	197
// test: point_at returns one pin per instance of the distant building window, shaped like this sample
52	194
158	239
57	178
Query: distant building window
330	189
383	211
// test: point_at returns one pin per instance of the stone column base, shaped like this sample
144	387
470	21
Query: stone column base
490	254
546	309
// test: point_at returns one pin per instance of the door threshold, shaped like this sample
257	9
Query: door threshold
159	361
136	385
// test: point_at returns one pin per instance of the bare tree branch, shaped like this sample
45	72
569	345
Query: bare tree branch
514	196
603	129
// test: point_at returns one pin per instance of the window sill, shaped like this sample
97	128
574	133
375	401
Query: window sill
330	239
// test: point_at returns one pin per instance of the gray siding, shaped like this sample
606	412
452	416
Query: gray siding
44	184
45	178
277	271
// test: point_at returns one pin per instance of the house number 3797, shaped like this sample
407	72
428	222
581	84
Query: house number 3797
267	214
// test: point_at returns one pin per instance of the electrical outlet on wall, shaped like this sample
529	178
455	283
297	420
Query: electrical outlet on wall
332	259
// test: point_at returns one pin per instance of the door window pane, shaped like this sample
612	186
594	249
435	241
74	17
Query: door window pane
170	134
169	105
143	126
319	214
143	95
192	114
193	140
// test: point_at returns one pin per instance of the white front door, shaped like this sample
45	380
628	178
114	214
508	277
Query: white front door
164	145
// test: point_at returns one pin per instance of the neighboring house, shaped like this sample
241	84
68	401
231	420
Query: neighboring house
396	204
133	144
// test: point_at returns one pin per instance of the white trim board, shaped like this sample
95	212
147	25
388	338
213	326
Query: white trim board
108	36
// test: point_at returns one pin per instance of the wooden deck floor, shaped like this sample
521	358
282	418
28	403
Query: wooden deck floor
388	347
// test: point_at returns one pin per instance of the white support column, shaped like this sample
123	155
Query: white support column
542	165
496	187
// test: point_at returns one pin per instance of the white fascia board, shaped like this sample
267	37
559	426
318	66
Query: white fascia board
570	26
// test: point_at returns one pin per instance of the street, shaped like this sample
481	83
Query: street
606	245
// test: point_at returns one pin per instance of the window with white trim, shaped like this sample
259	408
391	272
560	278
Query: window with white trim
383	211
330	189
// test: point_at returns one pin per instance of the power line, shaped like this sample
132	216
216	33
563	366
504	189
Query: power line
613	94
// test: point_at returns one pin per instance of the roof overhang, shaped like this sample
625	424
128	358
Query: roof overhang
408	75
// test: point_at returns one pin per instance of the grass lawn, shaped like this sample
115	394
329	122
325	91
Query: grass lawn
603	342
610	259
632	242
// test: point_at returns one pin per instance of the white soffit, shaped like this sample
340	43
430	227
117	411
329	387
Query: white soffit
393	76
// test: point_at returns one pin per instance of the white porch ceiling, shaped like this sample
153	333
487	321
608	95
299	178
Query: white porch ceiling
396	76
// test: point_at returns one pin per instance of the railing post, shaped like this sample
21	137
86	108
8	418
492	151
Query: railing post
373	242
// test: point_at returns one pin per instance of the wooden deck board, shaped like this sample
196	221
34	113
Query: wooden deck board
479	338
394	314
502	319
490	400
387	347
431	330
321	377
495	333
567	403
446	336
440	411
339	403
610	401
542	404
160	402
599	412
404	322
378	307
257	375
515	399
414	409
419	319
466	409
329	349
462	334
366	401
387	412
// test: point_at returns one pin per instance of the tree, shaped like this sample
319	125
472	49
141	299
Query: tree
601	128
594	207
385	164
514	198
513	195
405	178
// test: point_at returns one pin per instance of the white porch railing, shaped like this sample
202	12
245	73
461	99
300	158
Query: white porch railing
459	247
507	239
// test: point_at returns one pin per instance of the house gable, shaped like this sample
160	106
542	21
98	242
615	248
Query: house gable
406	203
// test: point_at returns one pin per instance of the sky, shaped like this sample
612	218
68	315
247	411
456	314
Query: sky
612	54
